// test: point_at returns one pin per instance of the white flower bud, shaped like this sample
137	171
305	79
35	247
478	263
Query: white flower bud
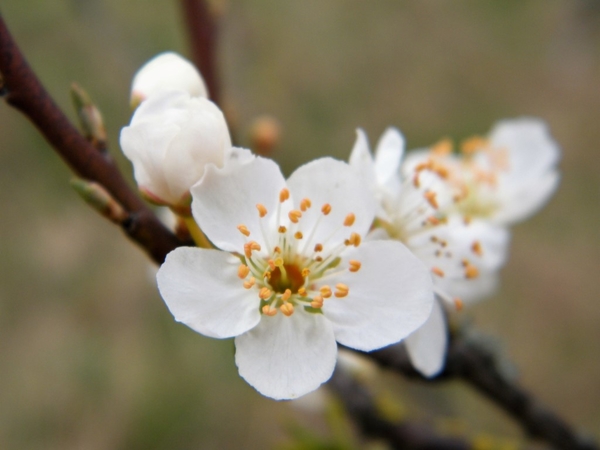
171	139
166	71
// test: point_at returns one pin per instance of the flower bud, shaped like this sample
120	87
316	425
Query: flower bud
172	137
166	71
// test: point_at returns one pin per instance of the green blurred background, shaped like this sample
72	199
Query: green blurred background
90	358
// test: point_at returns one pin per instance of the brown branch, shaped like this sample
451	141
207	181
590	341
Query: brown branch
477	366
202	30
359	404
23	91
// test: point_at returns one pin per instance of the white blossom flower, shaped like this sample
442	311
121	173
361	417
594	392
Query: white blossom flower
462	256
170	141
504	178
166	71
294	275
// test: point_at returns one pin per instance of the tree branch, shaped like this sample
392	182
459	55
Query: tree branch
477	366
23	91
359	404
202	30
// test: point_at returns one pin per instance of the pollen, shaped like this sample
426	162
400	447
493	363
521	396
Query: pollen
354	265
476	248
287	309
349	220
248	284
430	196
262	211
244	230
326	208
295	215
318	247
305	204
354	239
325	291
243	271
437	271
317	302
286	295
265	293
282	229
298	235
284	194
268	311
341	290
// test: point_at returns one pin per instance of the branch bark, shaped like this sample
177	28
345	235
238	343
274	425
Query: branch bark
23	91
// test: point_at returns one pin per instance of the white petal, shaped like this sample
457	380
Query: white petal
327	180
388	156
389	297
222	200
202	290
286	357
427	346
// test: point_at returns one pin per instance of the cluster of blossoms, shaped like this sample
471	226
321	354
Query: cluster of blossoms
367	253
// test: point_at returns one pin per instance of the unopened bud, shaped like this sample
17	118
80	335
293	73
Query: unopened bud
90	118
265	134
98	198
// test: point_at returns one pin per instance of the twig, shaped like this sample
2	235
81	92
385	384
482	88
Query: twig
202	29
359	404
25	92
477	366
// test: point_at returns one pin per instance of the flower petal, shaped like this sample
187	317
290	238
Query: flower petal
202	290
224	199
286	357
328	181
427	345
389	297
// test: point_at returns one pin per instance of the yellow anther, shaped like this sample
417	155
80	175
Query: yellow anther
243	271
298	235
442	148
282	229
325	291
295	215
341	290
430	196
458	304
244	230
249	283
318	247
287	309
277	249
473	144
305	204
326	208
354	265
262	211
437	271
349	220
286	295
476	248
284	194
354	239
302	292
317	302
265	293
268	311
271	264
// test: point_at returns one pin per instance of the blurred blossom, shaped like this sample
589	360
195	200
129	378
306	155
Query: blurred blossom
295	275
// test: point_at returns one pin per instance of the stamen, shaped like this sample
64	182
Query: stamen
268	311
349	220
243	271
437	271
341	290
326	209
295	215
354	265
244	230
262	211
305	204
287	309
265	293
284	194
318	247
476	248
325	291
248	284
298	235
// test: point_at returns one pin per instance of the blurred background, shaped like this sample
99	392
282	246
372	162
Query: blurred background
90	358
